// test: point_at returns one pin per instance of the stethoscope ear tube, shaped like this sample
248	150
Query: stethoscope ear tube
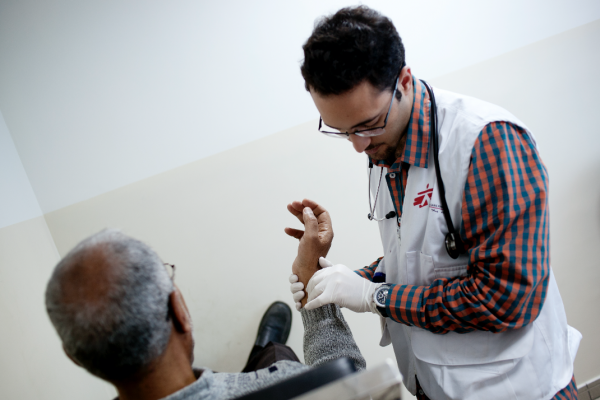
454	245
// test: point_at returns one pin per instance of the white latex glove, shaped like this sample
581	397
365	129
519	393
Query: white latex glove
297	288
340	285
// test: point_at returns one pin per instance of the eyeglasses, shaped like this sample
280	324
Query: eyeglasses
170	270
364	132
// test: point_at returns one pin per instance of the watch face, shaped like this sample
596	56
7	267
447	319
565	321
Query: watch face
382	295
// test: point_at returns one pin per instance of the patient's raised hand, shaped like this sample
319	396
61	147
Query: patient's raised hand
315	241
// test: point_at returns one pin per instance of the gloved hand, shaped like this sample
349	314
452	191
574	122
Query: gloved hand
340	285
297	290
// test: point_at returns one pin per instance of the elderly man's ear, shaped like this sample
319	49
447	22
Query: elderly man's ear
179	312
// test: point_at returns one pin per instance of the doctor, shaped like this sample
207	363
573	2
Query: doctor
481	318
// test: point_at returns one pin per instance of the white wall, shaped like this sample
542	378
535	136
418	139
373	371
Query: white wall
100	94
33	365
221	219
17	202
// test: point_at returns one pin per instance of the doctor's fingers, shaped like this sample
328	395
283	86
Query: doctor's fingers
299	295
296	287
325	293
324	263
316	303
317	278
326	289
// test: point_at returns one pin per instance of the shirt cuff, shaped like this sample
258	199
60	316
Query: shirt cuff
404	303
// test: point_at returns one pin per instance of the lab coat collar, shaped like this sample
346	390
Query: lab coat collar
416	149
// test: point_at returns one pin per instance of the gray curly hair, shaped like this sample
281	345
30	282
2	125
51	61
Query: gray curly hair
108	301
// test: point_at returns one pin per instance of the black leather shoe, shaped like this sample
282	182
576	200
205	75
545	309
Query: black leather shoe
275	325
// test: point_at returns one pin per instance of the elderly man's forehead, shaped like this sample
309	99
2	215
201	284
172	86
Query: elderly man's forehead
89	277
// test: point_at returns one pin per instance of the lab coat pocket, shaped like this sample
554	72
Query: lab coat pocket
477	347
450	272
477	363
419	268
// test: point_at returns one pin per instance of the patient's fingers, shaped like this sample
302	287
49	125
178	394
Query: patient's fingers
296	207
296	233
317	209
323	217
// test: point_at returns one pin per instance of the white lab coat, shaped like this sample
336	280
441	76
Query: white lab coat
533	362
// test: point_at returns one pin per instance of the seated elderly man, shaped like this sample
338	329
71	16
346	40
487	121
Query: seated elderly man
119	316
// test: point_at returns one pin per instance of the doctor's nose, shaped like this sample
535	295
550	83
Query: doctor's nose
360	143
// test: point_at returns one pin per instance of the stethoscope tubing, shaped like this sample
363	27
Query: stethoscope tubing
453	242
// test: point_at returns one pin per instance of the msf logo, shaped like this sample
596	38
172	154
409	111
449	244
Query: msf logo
423	197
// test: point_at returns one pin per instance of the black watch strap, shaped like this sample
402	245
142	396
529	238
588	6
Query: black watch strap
382	311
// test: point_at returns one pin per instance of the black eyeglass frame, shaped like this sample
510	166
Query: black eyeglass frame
361	133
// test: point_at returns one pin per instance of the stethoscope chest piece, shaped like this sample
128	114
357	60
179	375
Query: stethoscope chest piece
453	245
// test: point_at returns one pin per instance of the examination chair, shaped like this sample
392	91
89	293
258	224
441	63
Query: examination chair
338	380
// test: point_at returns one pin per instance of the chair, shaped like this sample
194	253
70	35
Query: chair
304	382
337	380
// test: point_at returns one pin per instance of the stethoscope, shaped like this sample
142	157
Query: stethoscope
454	245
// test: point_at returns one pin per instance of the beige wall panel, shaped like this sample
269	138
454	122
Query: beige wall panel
221	220
553	86
33	365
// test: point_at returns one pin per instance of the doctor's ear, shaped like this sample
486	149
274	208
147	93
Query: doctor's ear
405	82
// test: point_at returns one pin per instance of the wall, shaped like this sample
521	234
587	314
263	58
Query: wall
88	87
33	365
221	220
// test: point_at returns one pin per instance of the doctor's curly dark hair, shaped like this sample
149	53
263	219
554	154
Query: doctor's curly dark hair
354	44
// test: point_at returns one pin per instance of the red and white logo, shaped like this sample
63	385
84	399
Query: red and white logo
423	197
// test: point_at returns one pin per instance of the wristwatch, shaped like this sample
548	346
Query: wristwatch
379	297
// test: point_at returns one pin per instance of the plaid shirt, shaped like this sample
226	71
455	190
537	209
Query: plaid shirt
504	227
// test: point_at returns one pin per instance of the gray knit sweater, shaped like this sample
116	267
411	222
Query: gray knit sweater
326	337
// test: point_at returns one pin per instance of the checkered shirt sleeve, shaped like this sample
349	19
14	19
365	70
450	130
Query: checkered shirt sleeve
369	272
505	229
